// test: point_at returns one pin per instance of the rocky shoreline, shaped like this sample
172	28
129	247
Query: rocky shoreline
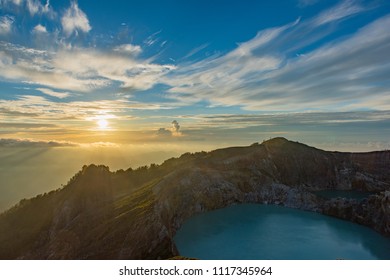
373	212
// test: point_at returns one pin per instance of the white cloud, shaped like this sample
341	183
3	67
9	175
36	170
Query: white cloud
127	71
14	2
47	8
6	24
33	7
36	67
78	69
45	109
36	7
213	78
196	50
53	93
39	29
265	73
291	119
75	20
24	107
345	9
152	39
130	49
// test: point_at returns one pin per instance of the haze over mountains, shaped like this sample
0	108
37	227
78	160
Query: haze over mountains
134	214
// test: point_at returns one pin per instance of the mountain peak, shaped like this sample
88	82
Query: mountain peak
276	140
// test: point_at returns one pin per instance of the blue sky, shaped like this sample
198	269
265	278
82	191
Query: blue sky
119	72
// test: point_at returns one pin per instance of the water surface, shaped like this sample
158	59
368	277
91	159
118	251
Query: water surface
254	231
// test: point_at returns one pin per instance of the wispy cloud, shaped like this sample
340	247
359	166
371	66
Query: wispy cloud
265	73
216	78
50	110
196	50
285	68
345	9
33	7
75	20
11	2
26	106
26	125
17	2
79	69
291	119
152	39
28	143
53	93
6	24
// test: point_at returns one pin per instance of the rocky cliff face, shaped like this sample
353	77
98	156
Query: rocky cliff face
373	211
134	214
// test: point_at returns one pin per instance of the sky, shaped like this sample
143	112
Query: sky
102	78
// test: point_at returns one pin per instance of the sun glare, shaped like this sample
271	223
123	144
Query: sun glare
102	123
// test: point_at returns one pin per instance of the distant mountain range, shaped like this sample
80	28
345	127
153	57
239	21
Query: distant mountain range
134	214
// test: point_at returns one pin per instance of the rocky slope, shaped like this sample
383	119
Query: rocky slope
134	214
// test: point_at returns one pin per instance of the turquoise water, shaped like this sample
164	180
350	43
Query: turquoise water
254	231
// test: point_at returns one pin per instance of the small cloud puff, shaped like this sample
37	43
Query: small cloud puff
175	126
6	24
173	131
39	29
75	20
128	49
164	132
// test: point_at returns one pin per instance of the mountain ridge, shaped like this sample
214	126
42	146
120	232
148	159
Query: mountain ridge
134	214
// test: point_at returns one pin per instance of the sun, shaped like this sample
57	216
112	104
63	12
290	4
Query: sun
102	122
